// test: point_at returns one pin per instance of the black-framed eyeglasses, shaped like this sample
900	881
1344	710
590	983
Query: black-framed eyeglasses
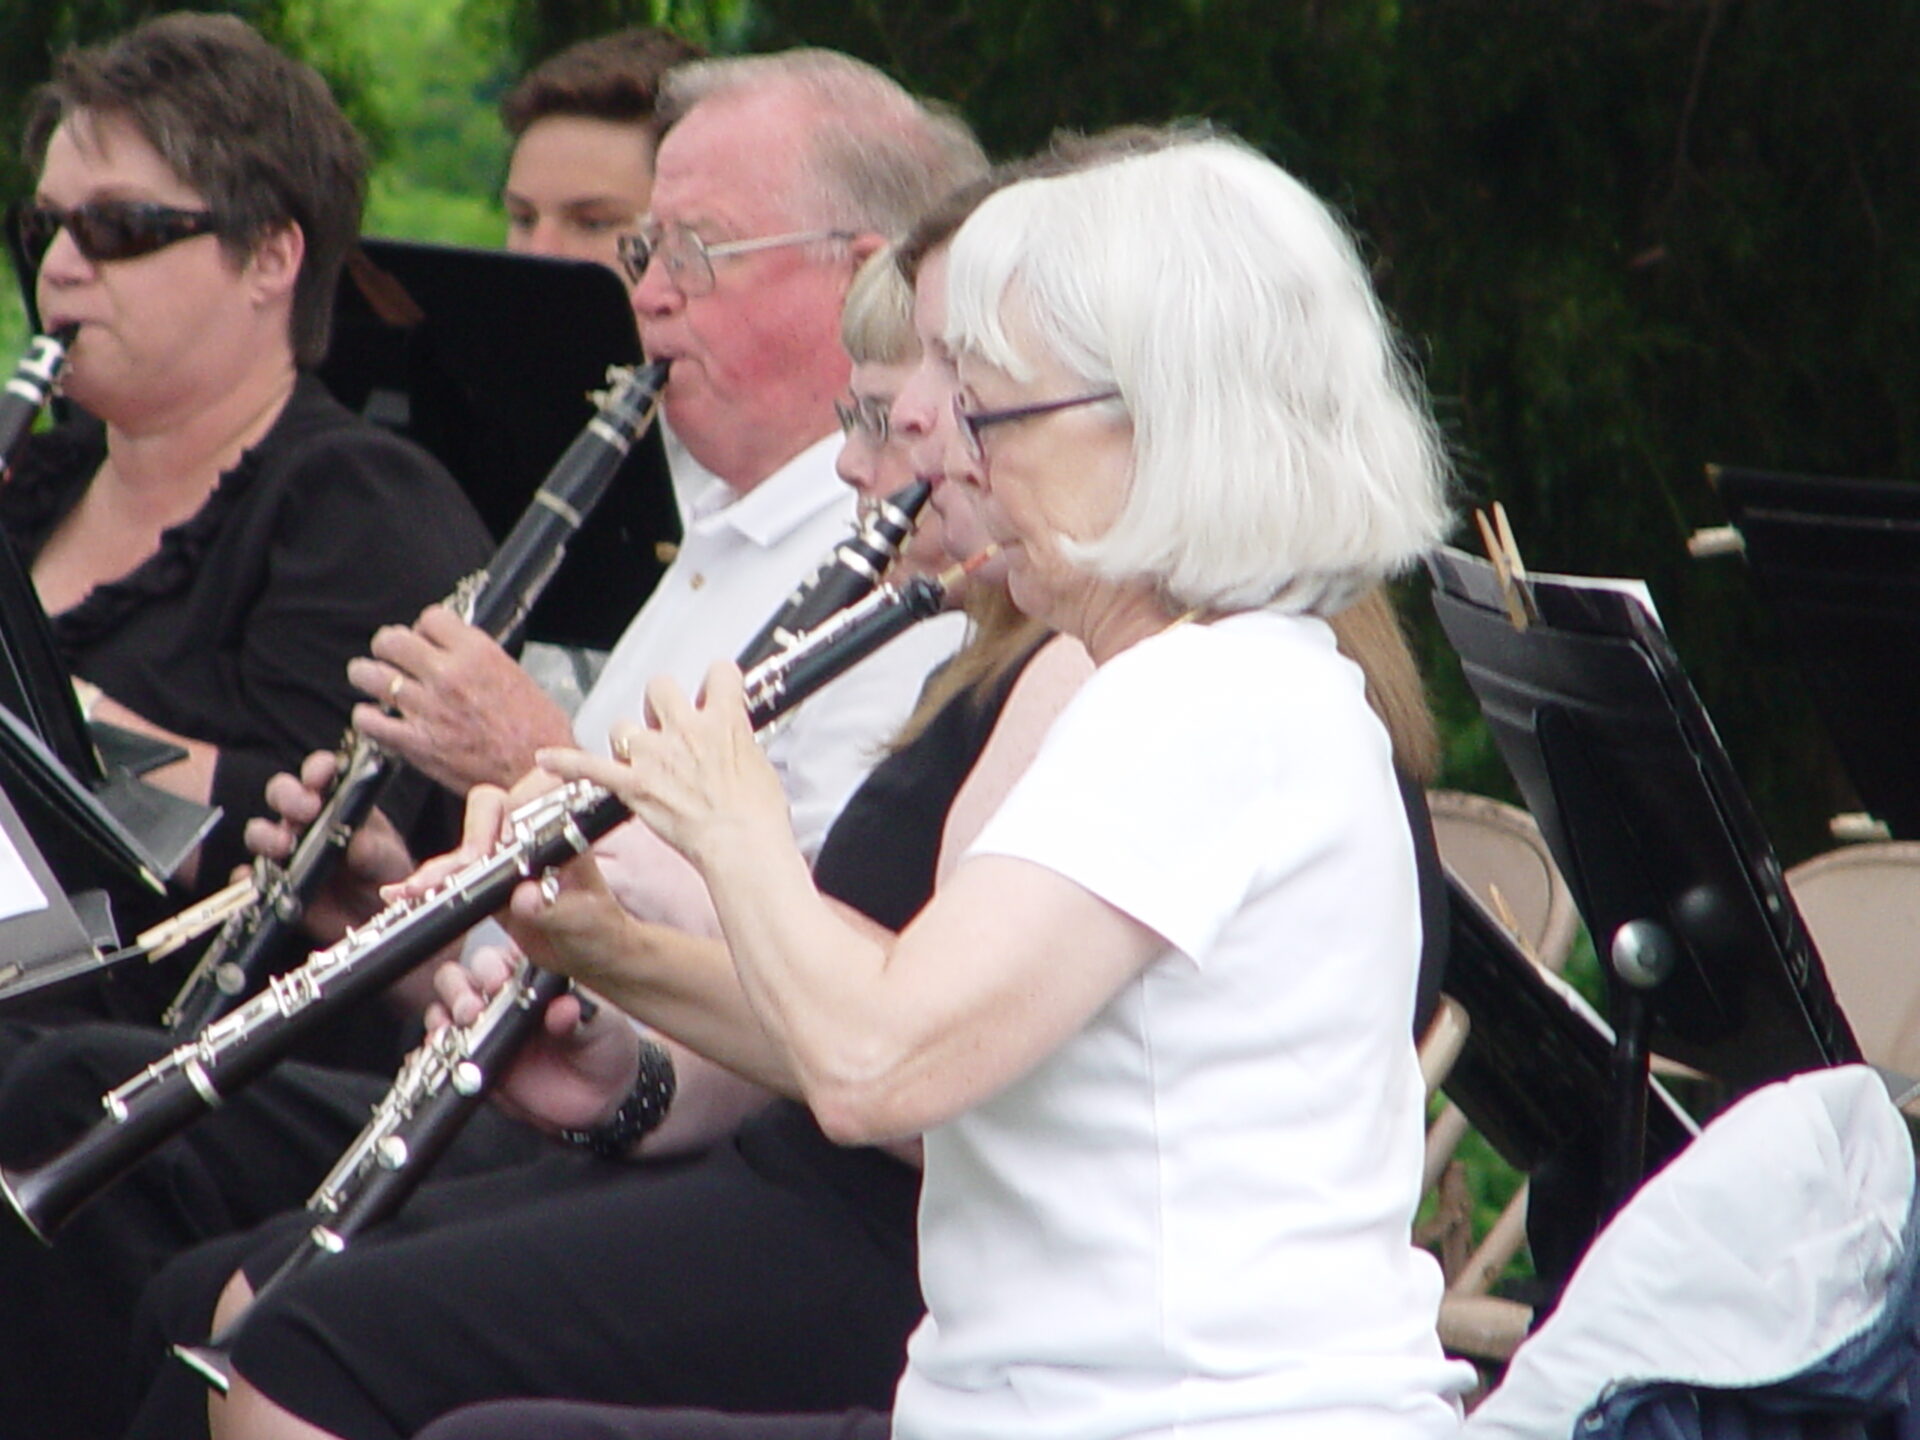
110	229
688	259
868	415
972	422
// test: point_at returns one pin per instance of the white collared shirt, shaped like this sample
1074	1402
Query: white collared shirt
739	559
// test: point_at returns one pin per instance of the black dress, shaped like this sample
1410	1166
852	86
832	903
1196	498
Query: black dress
775	1272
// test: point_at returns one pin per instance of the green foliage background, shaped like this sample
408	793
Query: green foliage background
1624	237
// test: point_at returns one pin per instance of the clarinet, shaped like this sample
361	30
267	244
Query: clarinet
184	1084
31	386
191	1079
437	1090
495	600
850	571
441	1084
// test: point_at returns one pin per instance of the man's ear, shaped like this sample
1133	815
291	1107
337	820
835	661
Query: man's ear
275	266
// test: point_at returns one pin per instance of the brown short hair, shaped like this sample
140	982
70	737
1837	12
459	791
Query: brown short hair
1067	151
253	130
610	77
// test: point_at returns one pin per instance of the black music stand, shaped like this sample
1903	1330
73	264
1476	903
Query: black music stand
97	823
1838	561
1704	955
487	359
43	944
1535	1078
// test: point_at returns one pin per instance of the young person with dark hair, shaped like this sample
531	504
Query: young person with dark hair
584	135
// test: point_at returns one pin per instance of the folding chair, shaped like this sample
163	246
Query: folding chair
1862	906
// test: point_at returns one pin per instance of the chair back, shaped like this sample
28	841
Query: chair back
1861	904
1496	851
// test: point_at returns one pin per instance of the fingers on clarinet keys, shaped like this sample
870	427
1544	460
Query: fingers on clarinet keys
550	889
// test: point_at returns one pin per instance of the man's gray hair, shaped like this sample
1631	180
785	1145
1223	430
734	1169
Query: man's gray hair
879	158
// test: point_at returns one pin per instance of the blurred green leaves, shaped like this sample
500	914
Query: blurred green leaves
1624	237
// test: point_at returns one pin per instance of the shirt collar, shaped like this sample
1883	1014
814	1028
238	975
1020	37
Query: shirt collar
780	504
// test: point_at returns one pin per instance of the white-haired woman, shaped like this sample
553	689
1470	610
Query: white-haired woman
1155	1028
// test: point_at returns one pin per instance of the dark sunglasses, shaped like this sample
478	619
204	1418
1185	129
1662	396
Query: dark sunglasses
110	229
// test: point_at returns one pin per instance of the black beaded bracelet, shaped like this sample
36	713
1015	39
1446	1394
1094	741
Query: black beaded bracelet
641	1113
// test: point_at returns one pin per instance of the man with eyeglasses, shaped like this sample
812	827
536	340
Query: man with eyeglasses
738	273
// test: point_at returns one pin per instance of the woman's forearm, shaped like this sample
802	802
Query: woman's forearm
683	985
813	979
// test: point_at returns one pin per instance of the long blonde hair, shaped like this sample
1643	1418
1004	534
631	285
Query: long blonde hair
998	635
1369	634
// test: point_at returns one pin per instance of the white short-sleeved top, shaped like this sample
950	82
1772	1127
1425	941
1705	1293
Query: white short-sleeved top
1194	1217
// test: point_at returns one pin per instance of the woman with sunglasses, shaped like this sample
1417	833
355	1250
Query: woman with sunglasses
1154	1029
217	538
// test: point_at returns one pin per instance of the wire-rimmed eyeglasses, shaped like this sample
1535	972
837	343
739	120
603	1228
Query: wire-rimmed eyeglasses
972	422
689	259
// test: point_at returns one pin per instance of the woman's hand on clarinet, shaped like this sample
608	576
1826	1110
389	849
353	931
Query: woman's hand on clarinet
694	773
482	830
570	921
453	703
376	856
573	1074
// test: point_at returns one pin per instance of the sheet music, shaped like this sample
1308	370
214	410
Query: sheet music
20	894
1633	589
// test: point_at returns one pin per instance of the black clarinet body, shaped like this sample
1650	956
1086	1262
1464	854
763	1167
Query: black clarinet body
195	1076
781	682
853	568
443	1084
496	600
30	387
438	1089
527	559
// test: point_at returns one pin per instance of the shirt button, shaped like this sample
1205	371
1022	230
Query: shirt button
696	581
